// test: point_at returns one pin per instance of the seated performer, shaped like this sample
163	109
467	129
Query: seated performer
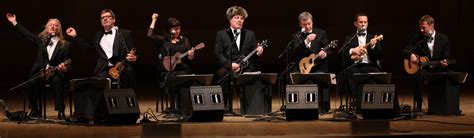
430	44
362	54
172	44
309	41
53	51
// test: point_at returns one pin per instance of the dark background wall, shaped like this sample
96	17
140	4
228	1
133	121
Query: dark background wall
273	20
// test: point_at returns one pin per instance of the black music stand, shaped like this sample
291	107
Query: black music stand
87	96
193	79
183	83
256	98
373	77
323	80
443	96
311	78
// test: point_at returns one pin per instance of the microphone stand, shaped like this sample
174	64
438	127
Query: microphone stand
125	48
285	74
230	76
420	77
345	78
169	86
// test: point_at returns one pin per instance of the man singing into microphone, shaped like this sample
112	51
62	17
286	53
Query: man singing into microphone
309	41
231	44
431	44
53	49
370	56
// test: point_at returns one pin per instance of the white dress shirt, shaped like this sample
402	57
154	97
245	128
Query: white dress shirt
50	48
362	39
431	42
237	41
107	42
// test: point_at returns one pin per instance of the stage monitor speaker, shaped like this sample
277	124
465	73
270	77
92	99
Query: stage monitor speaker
122	106
208	103
302	102
378	101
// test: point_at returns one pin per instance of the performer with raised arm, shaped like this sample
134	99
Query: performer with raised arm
177	53
53	52
115	49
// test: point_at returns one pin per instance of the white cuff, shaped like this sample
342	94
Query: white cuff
308	44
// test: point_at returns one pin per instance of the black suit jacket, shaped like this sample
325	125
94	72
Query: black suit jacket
123	41
226	48
375	54
301	51
418	45
60	54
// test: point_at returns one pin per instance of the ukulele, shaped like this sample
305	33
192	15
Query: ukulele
309	62
46	73
114	72
244	61
356	57
176	58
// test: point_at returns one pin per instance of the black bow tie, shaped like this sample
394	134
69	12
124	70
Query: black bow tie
429	39
361	34
109	32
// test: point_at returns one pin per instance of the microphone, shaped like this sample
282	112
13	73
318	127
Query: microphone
301	32
237	33
49	40
364	28
52	35
173	32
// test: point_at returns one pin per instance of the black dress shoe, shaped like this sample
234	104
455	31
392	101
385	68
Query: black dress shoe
34	113
61	115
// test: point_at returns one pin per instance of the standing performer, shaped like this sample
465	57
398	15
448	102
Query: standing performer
232	43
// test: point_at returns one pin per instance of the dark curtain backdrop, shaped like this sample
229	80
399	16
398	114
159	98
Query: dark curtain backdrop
272	20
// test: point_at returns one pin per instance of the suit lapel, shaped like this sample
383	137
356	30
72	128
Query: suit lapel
99	47
435	46
368	37
242	41
116	45
232	38
56	50
230	34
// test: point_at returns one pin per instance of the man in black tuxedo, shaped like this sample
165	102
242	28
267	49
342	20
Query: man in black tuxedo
53	50
231	44
309	41
112	45
431	44
370	57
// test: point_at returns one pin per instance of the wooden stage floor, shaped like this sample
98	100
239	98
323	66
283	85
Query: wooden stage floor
427	125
